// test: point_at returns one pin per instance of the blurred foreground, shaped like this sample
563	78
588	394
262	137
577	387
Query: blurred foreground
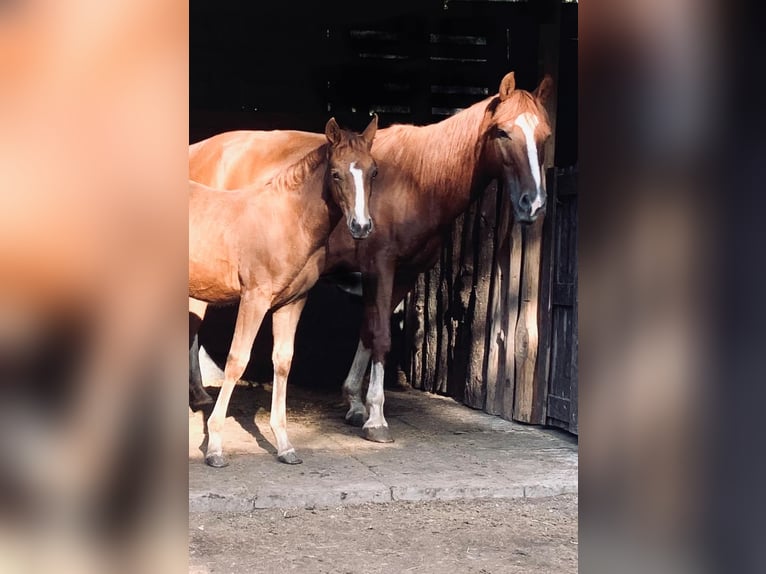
93	109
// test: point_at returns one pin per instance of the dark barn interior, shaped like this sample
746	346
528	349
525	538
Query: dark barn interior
293	65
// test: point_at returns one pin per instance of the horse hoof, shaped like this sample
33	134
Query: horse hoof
377	434
216	461
356	419
289	458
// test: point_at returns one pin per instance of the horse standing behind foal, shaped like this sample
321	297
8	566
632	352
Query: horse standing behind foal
428	176
266	246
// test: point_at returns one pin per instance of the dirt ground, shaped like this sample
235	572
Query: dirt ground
453	537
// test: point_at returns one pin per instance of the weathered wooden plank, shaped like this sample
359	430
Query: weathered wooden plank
462	309
559	408
431	327
483	246
418	297
409	322
440	385
453	317
532	335
573	390
495	370
512	304
528	406
545	309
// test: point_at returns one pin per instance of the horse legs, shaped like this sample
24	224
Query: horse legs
285	322
252	309
376	335
352	386
198	396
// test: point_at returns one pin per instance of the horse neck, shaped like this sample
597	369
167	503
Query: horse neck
300	176
307	179
444	159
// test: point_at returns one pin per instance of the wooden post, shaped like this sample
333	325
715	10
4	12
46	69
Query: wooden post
431	327
528	404
417	298
531	380
498	339
440	385
483	246
511	258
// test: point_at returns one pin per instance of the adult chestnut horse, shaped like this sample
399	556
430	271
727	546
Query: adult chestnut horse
428	176
265	245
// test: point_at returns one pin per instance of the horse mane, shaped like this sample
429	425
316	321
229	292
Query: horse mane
293	176
420	151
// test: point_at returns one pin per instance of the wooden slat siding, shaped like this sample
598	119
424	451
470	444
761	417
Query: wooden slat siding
528	405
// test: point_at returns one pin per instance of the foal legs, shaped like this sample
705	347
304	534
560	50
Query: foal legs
252	309
285	322
198	396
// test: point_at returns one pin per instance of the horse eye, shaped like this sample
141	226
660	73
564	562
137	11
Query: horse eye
375	173
502	133
335	175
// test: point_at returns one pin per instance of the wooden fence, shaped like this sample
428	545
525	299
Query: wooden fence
497	312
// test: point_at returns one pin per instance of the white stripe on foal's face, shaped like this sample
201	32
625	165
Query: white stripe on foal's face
359	206
528	122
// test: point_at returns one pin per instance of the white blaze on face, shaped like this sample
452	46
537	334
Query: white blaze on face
359	210
528	122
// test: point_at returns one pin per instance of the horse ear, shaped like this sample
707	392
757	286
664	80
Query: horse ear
544	91
332	131
507	85
369	132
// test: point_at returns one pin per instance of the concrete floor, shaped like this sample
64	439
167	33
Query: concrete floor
442	451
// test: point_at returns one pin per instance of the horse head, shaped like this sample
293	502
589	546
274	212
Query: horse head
517	130
351	170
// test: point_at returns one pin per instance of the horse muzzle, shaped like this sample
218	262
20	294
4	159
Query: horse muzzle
360	231
528	210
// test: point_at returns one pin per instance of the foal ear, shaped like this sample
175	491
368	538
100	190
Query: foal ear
507	85
332	131
369	132
544	91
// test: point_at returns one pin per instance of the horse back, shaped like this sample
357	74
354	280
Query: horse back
236	159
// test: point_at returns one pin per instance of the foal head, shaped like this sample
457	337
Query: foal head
351	170
517	132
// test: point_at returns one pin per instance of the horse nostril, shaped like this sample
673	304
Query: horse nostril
524	201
